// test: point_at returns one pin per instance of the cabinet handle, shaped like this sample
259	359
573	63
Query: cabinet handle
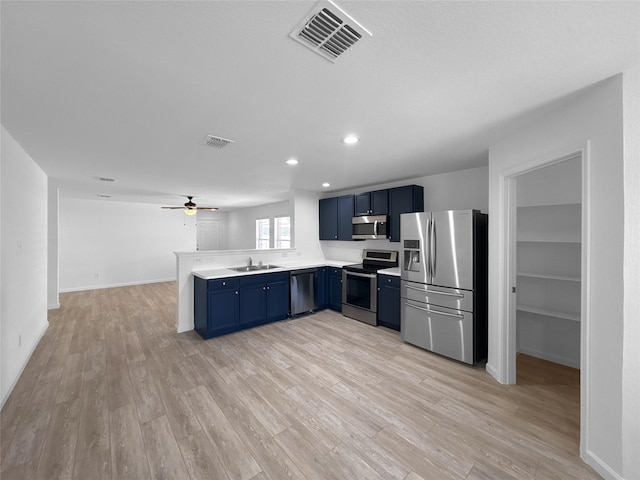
224	283
264	288
236	292
268	288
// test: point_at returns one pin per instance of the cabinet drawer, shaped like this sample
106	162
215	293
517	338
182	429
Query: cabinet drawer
335	271
445	297
222	284
388	281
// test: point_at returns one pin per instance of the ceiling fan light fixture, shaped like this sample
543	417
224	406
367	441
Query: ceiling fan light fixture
190	211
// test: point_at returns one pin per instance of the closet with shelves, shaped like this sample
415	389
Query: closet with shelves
548	259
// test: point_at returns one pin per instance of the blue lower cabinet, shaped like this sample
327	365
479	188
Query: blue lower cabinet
389	301
278	299
335	289
322	285
216	306
227	305
253	303
264	298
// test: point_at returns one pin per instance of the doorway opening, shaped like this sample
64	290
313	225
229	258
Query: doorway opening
546	267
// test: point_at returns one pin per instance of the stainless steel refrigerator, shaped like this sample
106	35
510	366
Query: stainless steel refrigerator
444	283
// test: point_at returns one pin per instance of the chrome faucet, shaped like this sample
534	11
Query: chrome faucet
250	262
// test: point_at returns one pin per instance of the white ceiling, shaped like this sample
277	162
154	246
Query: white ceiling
128	90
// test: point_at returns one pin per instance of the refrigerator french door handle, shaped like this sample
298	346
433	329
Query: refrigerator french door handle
433	311
432	248
427	253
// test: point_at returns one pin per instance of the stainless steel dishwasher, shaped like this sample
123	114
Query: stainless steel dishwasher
303	291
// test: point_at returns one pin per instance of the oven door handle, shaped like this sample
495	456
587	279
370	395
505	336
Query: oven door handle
365	275
375	228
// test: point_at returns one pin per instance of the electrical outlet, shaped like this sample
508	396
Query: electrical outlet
299	254
97	275
197	260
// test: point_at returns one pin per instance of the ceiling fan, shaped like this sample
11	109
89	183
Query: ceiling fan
191	208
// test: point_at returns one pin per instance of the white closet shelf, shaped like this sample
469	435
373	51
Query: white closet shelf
552	205
549	313
546	276
541	240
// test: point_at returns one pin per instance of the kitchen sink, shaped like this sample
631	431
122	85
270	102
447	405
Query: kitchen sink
253	268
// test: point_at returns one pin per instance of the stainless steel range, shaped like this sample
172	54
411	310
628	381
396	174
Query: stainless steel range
360	285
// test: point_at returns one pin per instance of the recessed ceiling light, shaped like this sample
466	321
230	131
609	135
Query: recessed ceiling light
292	161
350	139
325	184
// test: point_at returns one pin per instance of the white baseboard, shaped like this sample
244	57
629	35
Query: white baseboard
604	470
114	285
55	306
26	361
569	362
491	370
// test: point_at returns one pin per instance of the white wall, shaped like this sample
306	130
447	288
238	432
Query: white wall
593	117
241	223
305	227
53	280
104	243
631	346
465	189
23	257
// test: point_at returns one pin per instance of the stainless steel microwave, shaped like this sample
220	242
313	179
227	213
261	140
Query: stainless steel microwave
371	227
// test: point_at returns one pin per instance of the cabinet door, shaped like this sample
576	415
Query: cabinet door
403	200
223	309
322	297
328	214
335	290
379	202
277	300
253	303
345	215
388	303
363	204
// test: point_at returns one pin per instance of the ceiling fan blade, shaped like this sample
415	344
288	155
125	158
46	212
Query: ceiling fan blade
173	208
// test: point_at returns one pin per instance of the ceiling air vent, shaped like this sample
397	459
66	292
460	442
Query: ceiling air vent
216	142
329	31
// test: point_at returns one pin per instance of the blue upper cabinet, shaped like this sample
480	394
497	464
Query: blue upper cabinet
345	215
335	216
328	218
372	203
406	199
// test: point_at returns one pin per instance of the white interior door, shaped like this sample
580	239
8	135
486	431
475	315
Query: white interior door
208	234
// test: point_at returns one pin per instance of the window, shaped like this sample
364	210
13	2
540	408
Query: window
283	232
262	233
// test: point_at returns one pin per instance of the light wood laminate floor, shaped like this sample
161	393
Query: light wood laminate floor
113	392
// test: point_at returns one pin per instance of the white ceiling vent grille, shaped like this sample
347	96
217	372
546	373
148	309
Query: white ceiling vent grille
216	142
329	31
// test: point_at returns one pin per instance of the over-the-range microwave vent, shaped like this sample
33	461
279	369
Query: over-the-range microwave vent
216	142
329	31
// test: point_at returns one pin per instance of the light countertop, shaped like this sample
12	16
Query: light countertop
395	271
222	272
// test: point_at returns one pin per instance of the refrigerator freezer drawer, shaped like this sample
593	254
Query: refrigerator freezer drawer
444	331
447	297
